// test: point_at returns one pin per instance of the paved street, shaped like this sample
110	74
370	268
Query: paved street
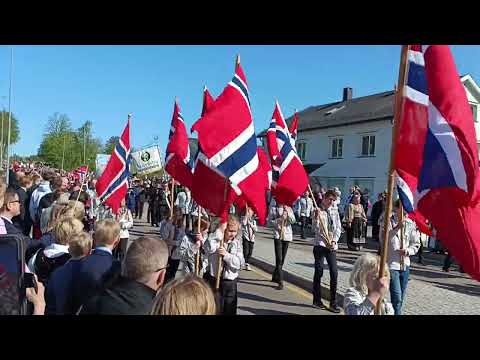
256	293
430	290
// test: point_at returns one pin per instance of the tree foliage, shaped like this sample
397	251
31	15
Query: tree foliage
110	145
61	142
14	131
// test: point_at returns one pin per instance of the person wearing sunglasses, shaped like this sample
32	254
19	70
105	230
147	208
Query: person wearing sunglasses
11	208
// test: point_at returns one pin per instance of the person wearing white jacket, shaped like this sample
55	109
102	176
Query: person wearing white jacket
282	218
125	219
399	254
306	207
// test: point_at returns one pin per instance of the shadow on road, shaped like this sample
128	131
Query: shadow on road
272	301
264	311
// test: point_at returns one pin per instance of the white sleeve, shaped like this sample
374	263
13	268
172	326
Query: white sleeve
212	243
413	242
236	260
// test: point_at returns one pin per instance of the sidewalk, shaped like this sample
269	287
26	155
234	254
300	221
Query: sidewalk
430	290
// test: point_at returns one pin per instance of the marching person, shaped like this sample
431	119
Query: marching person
356	221
399	254
182	202
179	237
366	289
232	261
249	228
190	246
282	218
328	229
377	209
125	219
306	207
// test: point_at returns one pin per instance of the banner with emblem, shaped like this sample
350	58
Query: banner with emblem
147	160
101	163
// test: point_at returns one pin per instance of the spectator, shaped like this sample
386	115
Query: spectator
133	292
366	289
100	264
232	261
45	261
377	210
23	221
306	207
188	295
10	209
42	190
59	295
142	199
356	221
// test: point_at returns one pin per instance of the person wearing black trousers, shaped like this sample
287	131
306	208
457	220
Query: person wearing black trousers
328	229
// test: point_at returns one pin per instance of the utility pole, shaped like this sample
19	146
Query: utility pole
63	155
84	142
9	115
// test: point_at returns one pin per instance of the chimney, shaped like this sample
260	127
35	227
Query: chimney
347	93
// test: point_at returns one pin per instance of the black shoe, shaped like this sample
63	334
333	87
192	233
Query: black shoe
319	305
334	308
279	287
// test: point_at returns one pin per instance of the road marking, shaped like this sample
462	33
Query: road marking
295	289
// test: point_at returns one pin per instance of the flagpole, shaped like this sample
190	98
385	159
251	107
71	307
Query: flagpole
1	140
220	259
197	258
402	75
171	197
9	116
81	187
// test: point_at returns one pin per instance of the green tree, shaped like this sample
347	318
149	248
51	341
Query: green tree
14	131
110	145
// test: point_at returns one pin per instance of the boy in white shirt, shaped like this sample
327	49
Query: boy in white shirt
249	228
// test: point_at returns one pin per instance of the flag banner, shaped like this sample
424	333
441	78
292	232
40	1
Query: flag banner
436	153
290	180
101	163
228	143
293	129
112	185
147	160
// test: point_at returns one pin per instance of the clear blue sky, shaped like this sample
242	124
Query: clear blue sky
104	83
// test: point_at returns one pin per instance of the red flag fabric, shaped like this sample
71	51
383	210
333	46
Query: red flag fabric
177	156
112	186
437	156
293	128
228	143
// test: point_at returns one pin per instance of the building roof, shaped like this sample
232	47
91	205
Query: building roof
357	110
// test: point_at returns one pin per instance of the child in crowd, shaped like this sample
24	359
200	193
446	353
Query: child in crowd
191	245
180	235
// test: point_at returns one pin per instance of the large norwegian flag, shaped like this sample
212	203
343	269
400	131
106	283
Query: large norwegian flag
293	129
436	153
228	143
290	180
177	157
112	186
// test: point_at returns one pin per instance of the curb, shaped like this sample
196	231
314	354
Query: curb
297	280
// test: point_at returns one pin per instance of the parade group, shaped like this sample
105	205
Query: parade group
85	261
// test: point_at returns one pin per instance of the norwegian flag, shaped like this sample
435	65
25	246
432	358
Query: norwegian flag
177	157
290	180
436	155
80	172
293	129
228	144
112	186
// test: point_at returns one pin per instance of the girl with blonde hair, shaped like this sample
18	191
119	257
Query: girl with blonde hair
366	289
188	295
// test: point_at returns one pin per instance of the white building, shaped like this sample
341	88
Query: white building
348	142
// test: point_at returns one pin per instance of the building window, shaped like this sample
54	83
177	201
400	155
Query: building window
368	145
337	148
301	150
474	108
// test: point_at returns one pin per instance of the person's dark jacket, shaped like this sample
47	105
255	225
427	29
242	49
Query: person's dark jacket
377	210
93	270
124	297
59	295
21	221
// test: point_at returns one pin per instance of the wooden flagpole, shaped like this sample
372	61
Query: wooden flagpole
402	75
171	198
402	232
80	191
197	258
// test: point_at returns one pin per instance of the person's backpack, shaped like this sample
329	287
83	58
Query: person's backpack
44	265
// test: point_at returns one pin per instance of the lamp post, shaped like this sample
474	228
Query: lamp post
9	115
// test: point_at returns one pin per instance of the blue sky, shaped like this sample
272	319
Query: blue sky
104	83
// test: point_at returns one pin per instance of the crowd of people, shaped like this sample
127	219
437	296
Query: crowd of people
84	261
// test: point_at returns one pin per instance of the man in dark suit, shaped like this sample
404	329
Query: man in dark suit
133	292
10	209
96	267
23	221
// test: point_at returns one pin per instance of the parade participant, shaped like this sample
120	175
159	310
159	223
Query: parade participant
282	218
133	292
232	262
42	190
96	266
142	199
125	219
131	200
92	212
59	296
188	295
327	227
190	246
164	199
182	202
150	194
366	289
249	228
45	261
356	221
167	230
306	207
399	254
179	237
377	209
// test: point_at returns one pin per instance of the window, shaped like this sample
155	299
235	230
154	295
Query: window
368	145
301	150
337	148
474	108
